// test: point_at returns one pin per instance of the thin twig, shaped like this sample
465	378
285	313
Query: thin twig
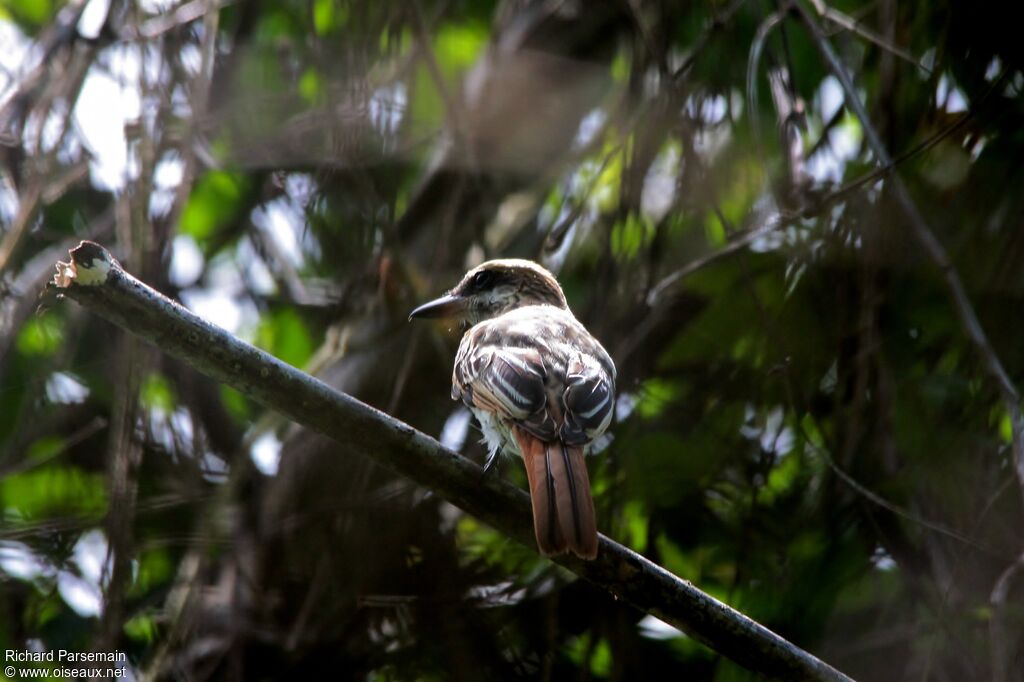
193	146
693	266
61	32
124	456
183	14
826	130
90	429
28	202
714	25
782	217
958	569
1002	645
753	65
929	242
48	179
923	146
893	508
850	24
558	231
460	128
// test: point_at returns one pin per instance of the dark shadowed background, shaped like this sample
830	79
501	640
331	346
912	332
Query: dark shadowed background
805	428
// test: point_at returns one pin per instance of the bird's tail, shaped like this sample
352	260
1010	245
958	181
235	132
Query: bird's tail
563	510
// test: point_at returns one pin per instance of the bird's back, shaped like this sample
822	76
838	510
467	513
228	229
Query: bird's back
537	367
542	386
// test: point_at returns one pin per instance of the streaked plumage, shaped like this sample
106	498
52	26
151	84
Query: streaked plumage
540	385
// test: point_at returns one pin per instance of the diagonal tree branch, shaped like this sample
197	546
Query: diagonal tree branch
929	242
95	280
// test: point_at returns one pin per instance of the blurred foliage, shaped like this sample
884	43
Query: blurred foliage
803	429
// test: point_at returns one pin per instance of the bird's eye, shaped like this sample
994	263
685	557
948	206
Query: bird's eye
483	279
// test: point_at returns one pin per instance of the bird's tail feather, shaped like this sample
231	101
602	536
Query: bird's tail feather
563	509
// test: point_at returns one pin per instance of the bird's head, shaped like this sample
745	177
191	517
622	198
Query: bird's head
494	288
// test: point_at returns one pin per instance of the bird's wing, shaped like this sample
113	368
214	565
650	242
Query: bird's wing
588	397
512	373
505	380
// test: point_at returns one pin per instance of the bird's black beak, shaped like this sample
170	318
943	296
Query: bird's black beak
446	306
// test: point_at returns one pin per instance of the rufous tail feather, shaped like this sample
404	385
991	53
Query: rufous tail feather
563	509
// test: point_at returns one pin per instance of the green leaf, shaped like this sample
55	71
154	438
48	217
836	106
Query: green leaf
142	628
280	24
600	655
636	521
629	235
214	202
45	448
52	491
156	568
285	335
235	403
456	48
29	14
311	87
948	166
782	479
458	45
714	230
328	16
157	393
41	335
654	396
1005	428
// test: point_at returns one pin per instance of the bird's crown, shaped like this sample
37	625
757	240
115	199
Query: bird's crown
520	282
496	287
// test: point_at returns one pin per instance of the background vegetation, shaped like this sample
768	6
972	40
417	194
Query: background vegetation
805	428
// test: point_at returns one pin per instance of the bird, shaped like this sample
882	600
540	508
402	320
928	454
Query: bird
540	385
